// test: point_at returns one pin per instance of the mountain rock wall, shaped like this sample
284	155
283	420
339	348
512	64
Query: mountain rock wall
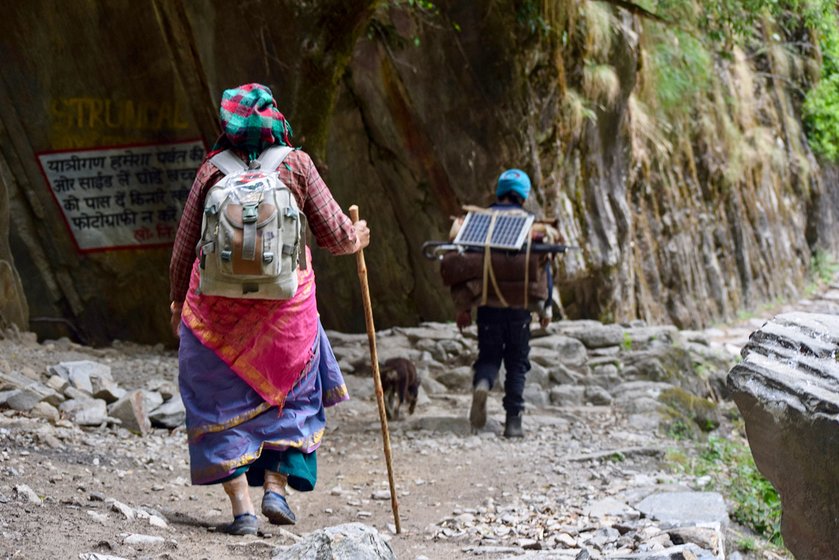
686	224
411	115
14	311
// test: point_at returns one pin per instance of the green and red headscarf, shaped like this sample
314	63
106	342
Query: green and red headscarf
250	121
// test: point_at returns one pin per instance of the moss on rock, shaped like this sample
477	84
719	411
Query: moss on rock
680	405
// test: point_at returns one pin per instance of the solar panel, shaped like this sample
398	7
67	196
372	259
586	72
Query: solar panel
509	229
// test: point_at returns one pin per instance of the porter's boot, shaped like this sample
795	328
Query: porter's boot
478	412
512	428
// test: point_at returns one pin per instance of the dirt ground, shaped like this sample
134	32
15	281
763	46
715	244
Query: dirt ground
442	472
439	473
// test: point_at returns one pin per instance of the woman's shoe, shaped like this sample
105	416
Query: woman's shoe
276	509
243	524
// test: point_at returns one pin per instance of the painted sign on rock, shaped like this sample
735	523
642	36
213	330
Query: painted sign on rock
122	198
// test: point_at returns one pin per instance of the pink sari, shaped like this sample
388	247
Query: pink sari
269	344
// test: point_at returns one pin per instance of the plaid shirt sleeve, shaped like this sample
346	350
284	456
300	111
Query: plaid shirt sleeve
332	228
189	231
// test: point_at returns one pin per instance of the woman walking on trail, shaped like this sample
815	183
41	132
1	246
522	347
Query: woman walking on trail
256	374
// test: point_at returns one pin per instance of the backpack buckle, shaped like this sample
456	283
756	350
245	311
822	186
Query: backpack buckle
249	213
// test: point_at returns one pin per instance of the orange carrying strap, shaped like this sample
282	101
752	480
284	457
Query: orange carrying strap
489	274
527	271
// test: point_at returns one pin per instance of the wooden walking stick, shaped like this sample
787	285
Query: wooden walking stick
377	379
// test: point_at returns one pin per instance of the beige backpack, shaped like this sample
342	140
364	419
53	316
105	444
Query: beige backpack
252	233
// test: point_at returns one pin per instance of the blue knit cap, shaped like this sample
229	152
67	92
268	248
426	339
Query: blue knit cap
513	181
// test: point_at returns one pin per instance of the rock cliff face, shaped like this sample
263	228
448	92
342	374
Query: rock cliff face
411	115
685	227
13	308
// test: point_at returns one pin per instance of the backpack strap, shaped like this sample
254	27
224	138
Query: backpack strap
271	158
228	162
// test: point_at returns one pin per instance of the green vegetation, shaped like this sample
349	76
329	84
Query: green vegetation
708	71
823	267
681	69
680	430
746	544
732	470
793	33
792	42
686	412
821	106
821	112
757	503
600	83
617	457
529	15
821	103
423	5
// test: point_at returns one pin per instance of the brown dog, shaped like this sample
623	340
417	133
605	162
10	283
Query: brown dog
400	385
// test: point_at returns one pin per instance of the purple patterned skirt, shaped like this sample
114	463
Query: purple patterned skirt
230	426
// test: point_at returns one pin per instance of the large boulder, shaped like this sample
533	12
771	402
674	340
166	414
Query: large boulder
787	389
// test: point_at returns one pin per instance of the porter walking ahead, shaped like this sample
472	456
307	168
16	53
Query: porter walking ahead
504	314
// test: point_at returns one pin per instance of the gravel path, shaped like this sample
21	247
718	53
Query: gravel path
71	492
